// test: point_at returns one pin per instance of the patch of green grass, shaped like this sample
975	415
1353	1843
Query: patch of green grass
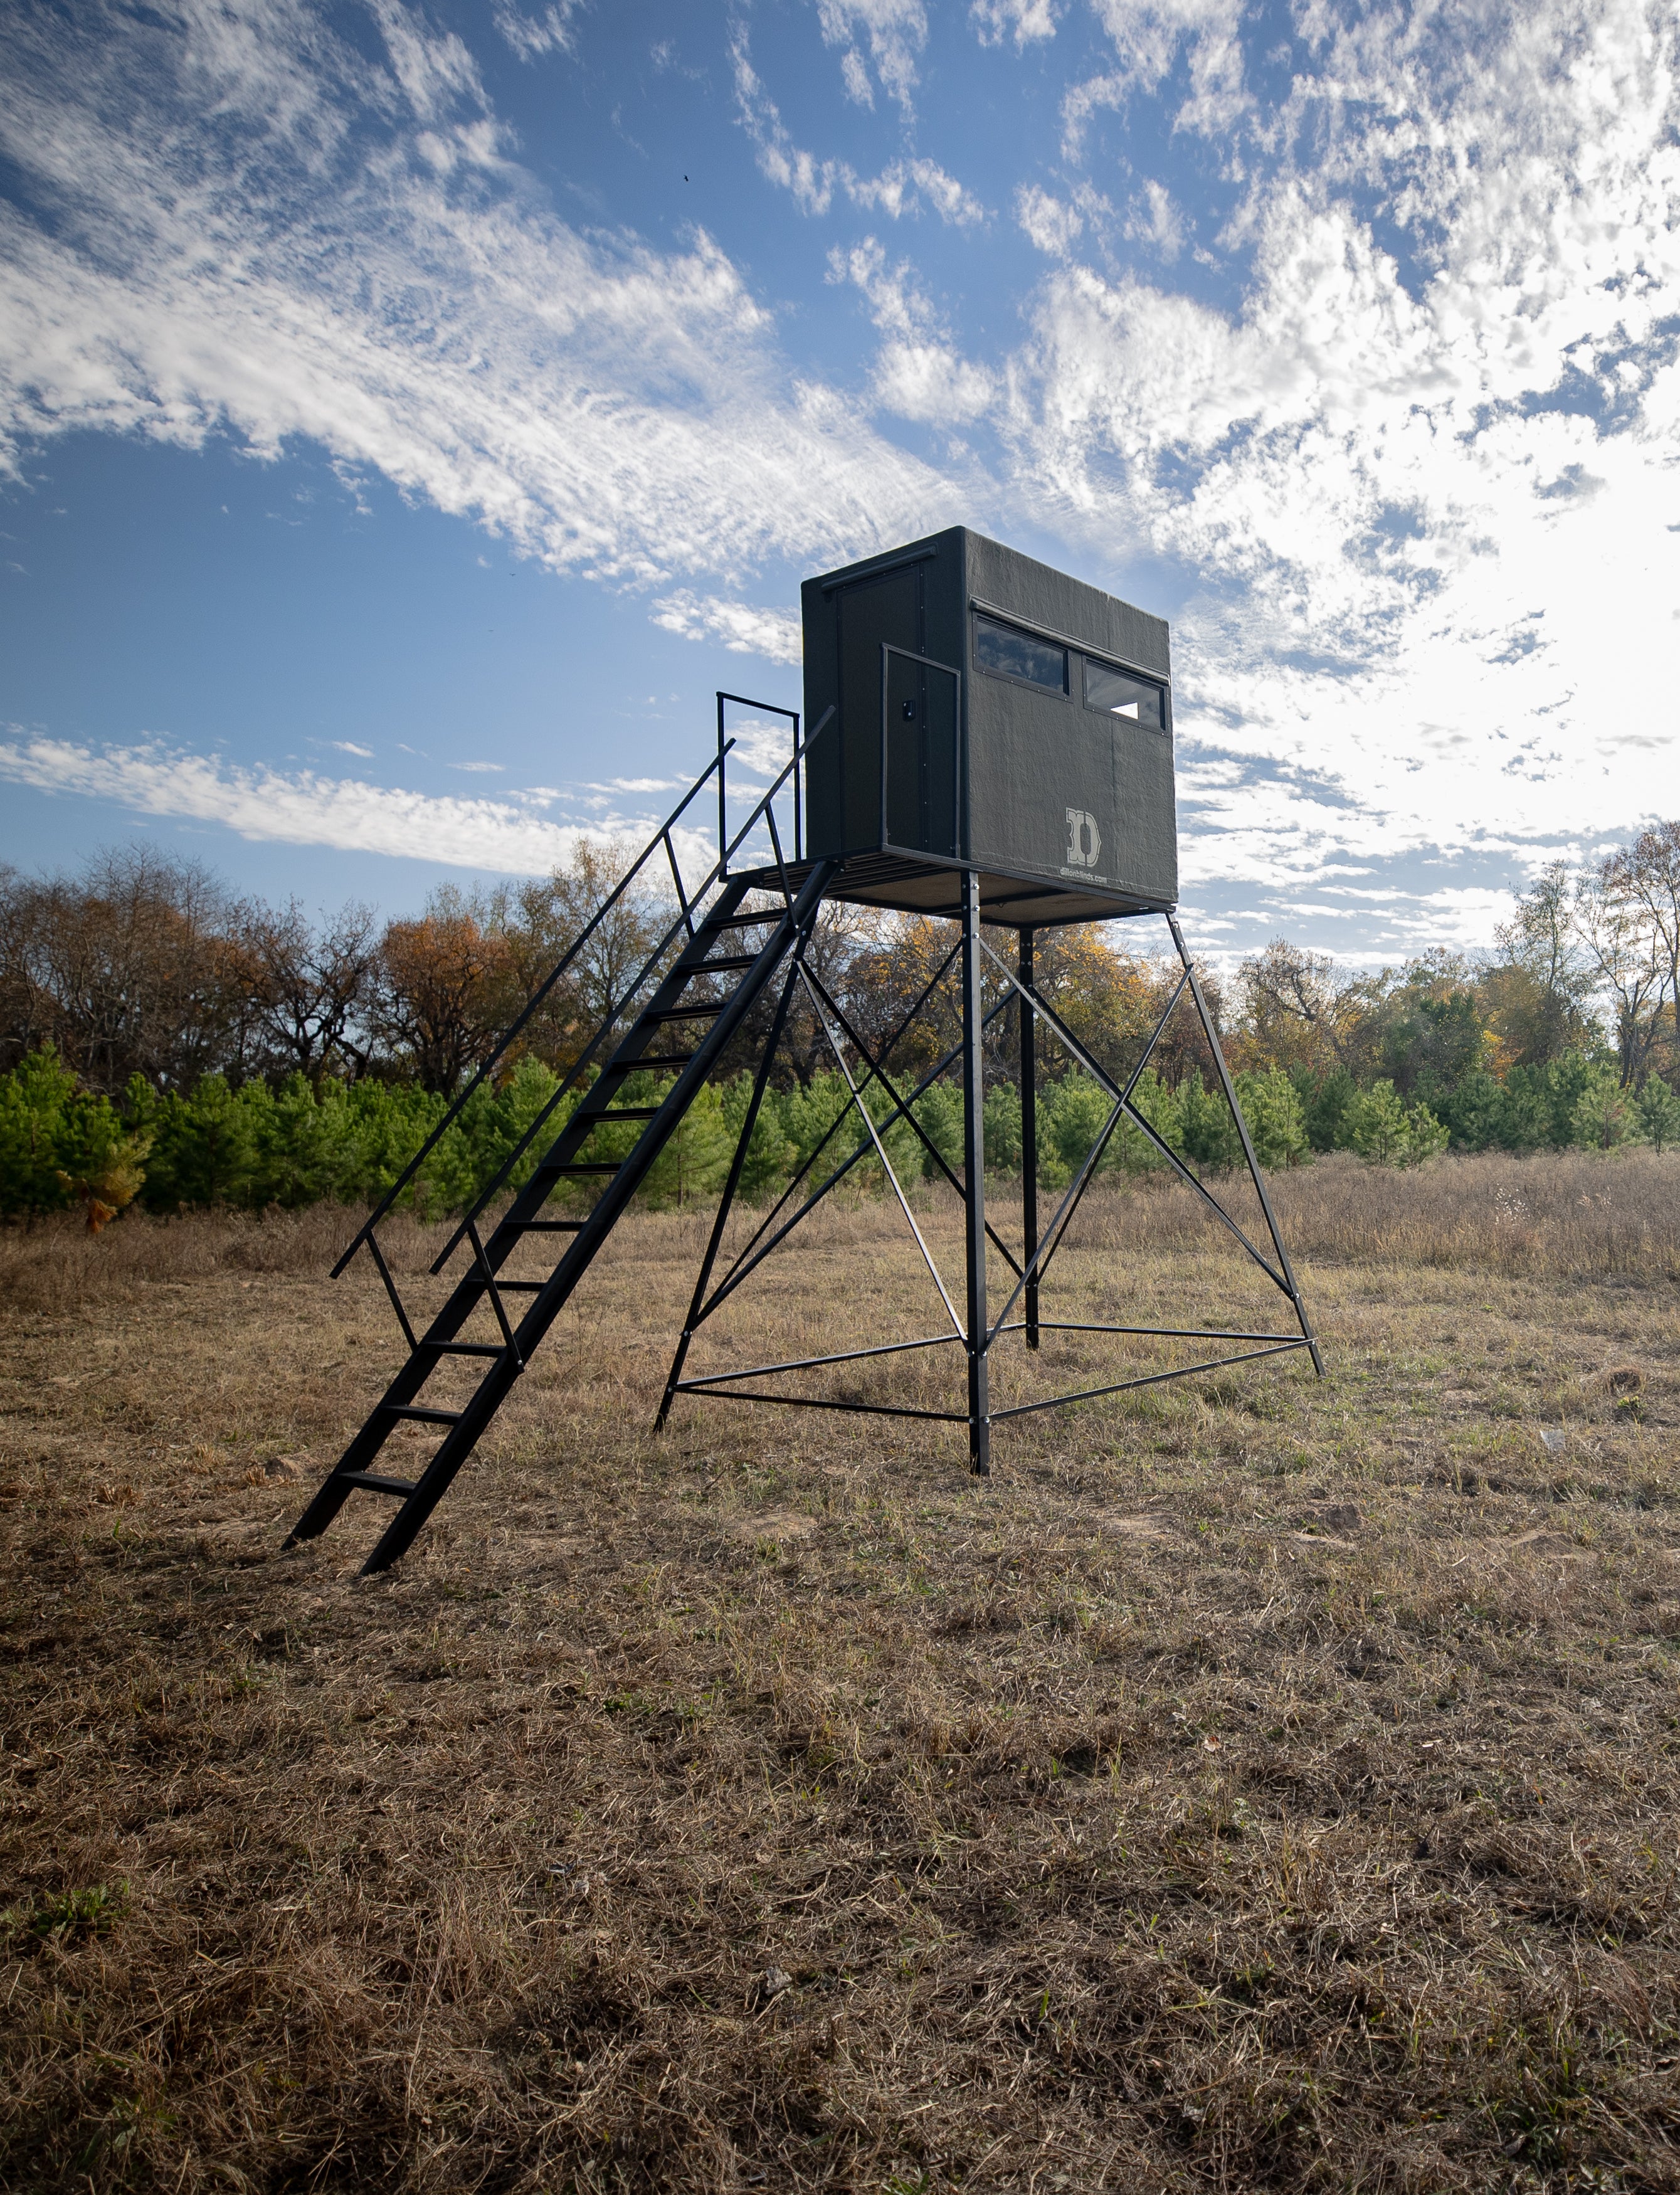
72	1916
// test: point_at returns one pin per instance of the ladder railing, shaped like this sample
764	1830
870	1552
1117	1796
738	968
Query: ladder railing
710	913
689	903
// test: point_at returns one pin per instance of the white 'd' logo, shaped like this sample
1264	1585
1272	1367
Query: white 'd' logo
1084	840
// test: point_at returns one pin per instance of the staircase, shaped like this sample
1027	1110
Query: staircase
732	953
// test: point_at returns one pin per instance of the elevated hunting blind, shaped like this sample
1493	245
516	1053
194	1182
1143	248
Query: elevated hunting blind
992	714
986	739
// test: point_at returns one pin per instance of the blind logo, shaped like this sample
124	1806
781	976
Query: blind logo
1084	840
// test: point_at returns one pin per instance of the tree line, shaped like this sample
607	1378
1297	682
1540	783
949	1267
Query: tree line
164	1038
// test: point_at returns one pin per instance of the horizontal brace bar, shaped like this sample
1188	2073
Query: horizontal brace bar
421	1413
1151	1380
377	1483
770	708
1166	1332
841	1357
816	1403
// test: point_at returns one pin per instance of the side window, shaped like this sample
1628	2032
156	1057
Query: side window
1007	654
1118	693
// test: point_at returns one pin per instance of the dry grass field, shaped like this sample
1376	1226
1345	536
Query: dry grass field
1260	1783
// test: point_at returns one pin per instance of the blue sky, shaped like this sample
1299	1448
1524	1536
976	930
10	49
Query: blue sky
410	415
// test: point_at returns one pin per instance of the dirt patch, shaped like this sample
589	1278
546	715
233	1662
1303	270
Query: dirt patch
774	1525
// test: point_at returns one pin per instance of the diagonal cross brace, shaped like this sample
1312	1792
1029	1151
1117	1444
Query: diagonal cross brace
901	1111
752	1255
881	1152
1066	1037
1052	1238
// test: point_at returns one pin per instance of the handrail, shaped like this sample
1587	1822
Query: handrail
770	709
716	874
526	1012
718	870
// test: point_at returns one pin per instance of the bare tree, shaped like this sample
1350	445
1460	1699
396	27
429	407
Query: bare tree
310	990
1647	875
551	912
1614	926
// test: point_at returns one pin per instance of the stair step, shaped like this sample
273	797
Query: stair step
686	1013
719	967
737	921
376	1483
465	1348
421	1411
631	1113
581	1165
647	1059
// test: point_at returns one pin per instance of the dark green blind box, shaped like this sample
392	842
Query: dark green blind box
993	712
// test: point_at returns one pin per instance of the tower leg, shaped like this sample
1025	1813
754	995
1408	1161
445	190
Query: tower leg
1254	1173
1029	1140
973	1162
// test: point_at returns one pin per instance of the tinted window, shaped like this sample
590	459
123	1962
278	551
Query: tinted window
1011	654
1118	693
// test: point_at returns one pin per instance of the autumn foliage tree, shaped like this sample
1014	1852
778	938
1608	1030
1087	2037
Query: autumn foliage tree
445	985
132	968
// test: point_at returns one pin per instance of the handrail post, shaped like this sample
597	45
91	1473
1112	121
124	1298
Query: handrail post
723	811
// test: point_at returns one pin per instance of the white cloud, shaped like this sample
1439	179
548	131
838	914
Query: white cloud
1157	220
917	374
894	30
1427	507
928	382
1148	35
742	627
901	188
1082	101
350	747
355	260
1048	222
495	768
301	807
1023	21
531	36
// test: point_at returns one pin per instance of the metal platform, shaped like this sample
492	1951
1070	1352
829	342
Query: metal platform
907	884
